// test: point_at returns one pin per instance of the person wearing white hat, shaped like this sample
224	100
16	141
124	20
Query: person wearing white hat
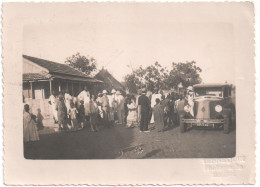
189	98
155	96
105	108
120	107
112	105
85	96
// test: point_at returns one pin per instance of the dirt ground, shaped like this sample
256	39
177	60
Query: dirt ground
119	142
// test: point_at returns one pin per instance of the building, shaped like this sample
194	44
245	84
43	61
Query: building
108	82
42	77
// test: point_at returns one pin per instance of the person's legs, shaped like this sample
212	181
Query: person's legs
119	116
146	121
123	116
142	121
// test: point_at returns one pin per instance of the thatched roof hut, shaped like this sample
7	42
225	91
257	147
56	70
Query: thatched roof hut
109	82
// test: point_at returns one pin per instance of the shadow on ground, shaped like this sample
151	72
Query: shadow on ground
104	144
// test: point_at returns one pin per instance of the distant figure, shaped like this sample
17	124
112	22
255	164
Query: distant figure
179	107
81	114
73	116
155	96
139	93
105	108
171	114
113	106
52	102
39	119
68	99
189	97
85	96
132	113
93	114
144	106
127	100
158	111
120	107
62	113
165	103
29	126
99	103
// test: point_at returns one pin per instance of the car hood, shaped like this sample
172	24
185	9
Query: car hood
205	106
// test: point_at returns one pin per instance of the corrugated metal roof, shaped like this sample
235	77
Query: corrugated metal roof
73	78
56	70
54	67
34	76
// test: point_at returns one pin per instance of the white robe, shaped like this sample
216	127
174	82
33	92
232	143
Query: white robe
153	103
52	99
68	99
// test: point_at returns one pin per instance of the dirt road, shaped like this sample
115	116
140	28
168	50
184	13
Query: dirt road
122	143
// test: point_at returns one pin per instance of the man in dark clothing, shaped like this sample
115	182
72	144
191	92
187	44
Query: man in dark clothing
166	108
144	106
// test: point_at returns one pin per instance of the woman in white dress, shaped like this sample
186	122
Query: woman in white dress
132	114
30	132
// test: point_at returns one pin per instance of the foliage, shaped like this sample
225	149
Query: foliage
187	73
157	77
85	64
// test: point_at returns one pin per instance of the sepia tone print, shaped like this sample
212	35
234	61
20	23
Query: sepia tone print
86	107
163	90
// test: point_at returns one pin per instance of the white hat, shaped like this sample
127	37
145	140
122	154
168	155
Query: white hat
104	92
113	91
190	88
118	92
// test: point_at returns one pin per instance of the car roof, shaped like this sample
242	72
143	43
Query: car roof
210	85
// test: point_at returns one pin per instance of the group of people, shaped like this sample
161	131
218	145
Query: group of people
162	109
75	113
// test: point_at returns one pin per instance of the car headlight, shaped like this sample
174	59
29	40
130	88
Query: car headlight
218	108
187	108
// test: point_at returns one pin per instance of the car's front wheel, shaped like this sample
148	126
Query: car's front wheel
226	125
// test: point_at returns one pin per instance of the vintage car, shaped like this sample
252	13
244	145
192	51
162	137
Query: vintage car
213	106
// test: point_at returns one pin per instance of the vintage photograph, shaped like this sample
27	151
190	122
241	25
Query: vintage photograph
128	89
138	93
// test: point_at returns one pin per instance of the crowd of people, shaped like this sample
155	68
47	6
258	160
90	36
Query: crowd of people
109	109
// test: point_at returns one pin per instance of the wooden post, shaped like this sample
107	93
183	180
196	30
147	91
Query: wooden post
31	90
50	87
72	87
67	86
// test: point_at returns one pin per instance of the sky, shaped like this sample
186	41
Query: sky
123	43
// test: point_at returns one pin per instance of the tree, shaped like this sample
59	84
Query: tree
150	77
187	73
85	64
156	76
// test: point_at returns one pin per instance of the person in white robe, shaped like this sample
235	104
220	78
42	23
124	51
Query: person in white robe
120	107
155	96
85	96
30	132
52	102
68	99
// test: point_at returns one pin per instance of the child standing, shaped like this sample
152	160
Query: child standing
73	116
81	114
132	114
39	119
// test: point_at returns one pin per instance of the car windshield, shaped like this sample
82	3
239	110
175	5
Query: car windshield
209	91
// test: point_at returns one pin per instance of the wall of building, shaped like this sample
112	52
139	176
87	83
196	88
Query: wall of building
29	67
